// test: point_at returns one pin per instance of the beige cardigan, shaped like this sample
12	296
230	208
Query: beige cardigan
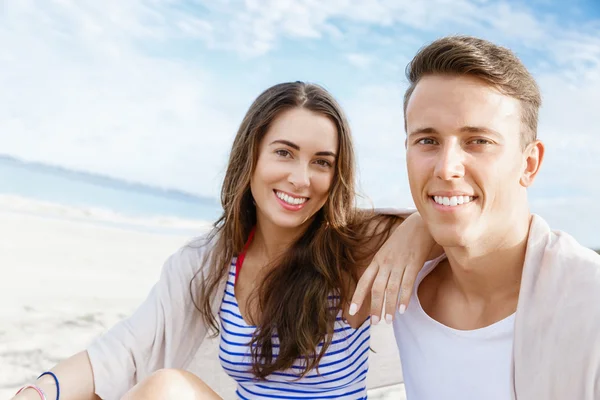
165	331
557	325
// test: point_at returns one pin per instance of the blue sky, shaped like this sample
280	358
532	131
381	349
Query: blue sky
153	91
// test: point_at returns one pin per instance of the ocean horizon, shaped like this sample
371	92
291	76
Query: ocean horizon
73	194
100	194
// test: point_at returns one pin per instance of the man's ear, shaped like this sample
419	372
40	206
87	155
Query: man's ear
532	161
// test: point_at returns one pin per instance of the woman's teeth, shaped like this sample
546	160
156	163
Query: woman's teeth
291	200
453	201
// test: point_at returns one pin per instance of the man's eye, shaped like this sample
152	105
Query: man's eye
426	141
481	141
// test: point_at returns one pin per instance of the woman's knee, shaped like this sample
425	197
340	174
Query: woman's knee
171	384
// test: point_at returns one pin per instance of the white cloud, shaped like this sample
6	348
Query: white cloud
93	85
257	27
79	92
359	60
579	51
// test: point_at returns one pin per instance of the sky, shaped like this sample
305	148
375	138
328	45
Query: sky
153	91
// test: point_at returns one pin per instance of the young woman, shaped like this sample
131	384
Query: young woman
274	277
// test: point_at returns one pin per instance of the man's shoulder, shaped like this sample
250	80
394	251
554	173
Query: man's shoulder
568	253
560	286
557	251
575	272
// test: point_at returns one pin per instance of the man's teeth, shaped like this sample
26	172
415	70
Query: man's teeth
291	200
453	201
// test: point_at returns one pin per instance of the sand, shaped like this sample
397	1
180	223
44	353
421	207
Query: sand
69	274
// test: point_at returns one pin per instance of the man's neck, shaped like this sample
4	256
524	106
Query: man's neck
477	285
486	276
487	271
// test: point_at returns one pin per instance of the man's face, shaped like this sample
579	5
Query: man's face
467	169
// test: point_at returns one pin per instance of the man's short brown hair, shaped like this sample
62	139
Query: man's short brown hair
495	65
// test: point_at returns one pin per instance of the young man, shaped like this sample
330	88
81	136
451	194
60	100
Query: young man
512	310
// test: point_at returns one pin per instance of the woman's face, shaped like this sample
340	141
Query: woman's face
295	168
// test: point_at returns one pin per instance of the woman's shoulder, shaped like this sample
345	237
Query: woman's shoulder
192	256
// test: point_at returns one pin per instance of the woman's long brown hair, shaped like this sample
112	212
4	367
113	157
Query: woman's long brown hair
294	299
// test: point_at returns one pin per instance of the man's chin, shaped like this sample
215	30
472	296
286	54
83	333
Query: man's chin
449	237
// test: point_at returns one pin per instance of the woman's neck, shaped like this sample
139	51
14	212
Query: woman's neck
271	241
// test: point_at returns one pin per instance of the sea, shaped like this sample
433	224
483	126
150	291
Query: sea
102	194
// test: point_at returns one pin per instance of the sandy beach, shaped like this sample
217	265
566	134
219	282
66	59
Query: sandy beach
70	274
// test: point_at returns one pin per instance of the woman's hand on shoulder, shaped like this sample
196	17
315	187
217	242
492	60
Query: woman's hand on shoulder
391	275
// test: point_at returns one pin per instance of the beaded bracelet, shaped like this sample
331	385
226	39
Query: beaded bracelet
37	389
55	380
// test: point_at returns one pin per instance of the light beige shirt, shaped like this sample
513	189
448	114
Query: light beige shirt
556	352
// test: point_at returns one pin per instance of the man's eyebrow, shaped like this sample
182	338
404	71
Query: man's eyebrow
478	129
296	147
427	130
464	129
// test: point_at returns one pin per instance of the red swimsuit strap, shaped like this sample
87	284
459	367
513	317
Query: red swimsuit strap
242	255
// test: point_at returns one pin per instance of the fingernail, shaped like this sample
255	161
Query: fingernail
353	309
402	308
374	320
388	318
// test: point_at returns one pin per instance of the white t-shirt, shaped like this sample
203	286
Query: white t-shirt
439	362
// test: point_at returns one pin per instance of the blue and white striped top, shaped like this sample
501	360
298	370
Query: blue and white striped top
342	370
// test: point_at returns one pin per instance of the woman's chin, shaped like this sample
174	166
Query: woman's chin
290	221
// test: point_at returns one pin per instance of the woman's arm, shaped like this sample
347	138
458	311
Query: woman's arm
391	274
76	381
372	228
164	331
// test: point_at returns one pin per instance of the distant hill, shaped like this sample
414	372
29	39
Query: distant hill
107	181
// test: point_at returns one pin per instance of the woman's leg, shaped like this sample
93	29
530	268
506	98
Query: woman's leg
167	384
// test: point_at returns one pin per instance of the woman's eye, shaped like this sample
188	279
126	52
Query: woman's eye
283	153
323	163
